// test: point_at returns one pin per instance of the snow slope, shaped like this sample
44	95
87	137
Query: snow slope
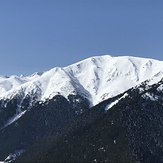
96	78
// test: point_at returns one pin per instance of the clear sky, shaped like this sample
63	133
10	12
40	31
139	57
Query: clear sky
37	35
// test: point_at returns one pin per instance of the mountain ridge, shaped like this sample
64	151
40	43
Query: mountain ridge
89	77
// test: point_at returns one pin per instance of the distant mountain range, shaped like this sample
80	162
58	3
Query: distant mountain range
102	109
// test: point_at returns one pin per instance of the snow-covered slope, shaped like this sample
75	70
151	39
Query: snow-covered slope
96	78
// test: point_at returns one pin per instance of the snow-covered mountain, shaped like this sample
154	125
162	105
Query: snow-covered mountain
96	78
117	92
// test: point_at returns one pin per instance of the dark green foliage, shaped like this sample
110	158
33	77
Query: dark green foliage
143	119
37	121
78	103
92	136
7	111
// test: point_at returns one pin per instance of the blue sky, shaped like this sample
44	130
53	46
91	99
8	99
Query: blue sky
37	35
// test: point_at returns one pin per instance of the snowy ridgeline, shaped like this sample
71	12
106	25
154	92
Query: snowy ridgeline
96	78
